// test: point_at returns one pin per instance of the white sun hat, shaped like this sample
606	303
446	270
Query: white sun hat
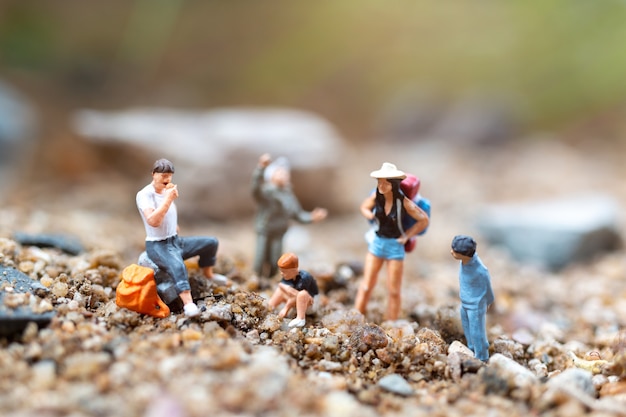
389	171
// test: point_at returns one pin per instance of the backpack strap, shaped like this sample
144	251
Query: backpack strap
399	216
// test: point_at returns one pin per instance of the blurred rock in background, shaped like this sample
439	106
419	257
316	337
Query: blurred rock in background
215	151
479	118
18	128
411	113
554	234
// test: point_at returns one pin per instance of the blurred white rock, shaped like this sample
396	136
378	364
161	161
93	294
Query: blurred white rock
554	233
18	126
215	151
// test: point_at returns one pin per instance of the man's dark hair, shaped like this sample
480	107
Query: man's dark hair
163	166
464	245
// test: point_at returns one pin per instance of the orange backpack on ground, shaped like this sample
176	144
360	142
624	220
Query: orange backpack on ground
137	291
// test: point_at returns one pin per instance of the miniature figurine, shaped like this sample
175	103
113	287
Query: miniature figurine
296	289
277	205
592	362
476	295
410	187
163	245
386	207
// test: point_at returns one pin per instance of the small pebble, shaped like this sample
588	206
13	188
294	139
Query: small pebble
396	384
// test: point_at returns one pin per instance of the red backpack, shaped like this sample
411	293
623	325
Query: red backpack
410	186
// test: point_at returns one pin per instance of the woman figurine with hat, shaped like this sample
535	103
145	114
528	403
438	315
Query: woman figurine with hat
386	208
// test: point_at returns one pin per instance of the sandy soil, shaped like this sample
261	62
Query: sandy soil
538	315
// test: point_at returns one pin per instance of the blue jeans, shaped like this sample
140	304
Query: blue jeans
170	253
475	329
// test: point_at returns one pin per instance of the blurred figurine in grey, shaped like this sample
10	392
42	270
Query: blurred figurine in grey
277	205
476	295
163	245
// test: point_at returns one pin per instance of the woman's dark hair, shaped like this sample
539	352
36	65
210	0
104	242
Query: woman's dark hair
396	191
464	245
163	166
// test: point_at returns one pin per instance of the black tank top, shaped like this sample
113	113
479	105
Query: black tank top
388	224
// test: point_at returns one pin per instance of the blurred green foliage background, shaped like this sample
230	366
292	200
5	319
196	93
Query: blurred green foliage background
558	60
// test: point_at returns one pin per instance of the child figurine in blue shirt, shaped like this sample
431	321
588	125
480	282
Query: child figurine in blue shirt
476	295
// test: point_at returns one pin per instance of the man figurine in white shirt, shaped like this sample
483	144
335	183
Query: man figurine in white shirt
163	245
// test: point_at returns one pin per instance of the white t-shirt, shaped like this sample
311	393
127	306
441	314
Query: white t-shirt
147	197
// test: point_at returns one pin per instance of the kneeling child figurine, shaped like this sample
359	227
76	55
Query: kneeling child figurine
296	289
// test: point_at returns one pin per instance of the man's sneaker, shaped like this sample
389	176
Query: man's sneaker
297	322
191	310
219	279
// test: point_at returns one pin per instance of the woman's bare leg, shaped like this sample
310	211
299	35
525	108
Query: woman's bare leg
370	276
395	269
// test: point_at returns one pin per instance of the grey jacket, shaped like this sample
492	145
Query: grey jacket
276	206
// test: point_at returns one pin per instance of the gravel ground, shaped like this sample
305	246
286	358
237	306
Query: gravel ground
557	340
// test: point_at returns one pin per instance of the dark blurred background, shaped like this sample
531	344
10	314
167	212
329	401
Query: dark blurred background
463	72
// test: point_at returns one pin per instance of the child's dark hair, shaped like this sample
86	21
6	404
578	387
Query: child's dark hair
464	245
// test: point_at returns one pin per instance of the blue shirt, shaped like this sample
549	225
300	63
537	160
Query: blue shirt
475	284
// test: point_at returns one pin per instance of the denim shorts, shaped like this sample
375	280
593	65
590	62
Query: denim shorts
386	248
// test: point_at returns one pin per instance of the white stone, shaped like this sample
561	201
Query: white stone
521	376
554	233
215	151
458	347
396	384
